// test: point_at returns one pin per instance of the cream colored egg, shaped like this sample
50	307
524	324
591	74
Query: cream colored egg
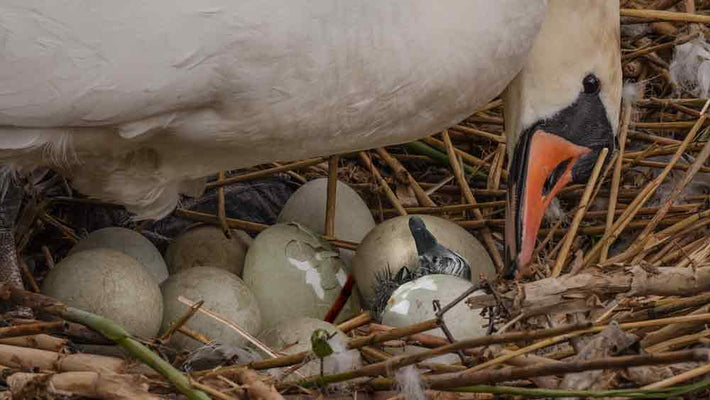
413	302
391	246
109	283
129	242
307	206
222	292
294	273
206	245
293	336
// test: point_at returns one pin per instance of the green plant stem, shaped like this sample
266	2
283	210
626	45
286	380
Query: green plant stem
440	157
108	328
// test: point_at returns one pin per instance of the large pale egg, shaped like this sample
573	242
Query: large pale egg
391	246
293	336
109	283
206	245
413	302
222	292
307	205
129	242
294	273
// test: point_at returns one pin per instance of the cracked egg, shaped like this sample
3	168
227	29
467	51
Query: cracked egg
294	273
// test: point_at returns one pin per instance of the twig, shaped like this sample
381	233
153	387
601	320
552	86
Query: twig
355	322
331	196
221	206
463	183
33	329
642	197
266	172
243	333
658	15
383	184
182	321
466	378
249	226
680	378
645	236
404	360
581	209
422	197
616	177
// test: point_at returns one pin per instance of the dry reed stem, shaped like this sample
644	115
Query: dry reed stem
683	39
422	197
658	15
467	378
479	133
266	172
300	179
616	177
211	391
641	198
249	226
581	209
468	158
361	319
677	342
355	343
255	387
221	206
680	378
595	329
645	236
23	357
231	324
28	275
182	321
331	196
197	336
41	342
463	183
397	362
455	208
383	184
33	329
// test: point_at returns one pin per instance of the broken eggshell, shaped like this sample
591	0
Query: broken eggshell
293	336
294	273
391	246
206	245
307	206
129	242
111	284
222	292
412	303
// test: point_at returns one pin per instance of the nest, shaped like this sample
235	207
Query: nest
616	304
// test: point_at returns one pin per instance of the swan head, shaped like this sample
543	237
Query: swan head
561	110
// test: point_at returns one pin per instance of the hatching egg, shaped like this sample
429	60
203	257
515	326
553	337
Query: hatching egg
390	246
129	242
413	302
307	206
109	283
206	245
222	292
294	273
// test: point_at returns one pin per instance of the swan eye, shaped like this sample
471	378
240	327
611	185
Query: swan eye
591	84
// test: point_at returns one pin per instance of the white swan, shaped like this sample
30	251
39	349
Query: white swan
132	98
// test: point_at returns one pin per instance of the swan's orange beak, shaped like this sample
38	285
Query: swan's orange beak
541	166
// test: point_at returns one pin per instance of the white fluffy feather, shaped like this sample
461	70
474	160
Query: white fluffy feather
409	383
690	68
